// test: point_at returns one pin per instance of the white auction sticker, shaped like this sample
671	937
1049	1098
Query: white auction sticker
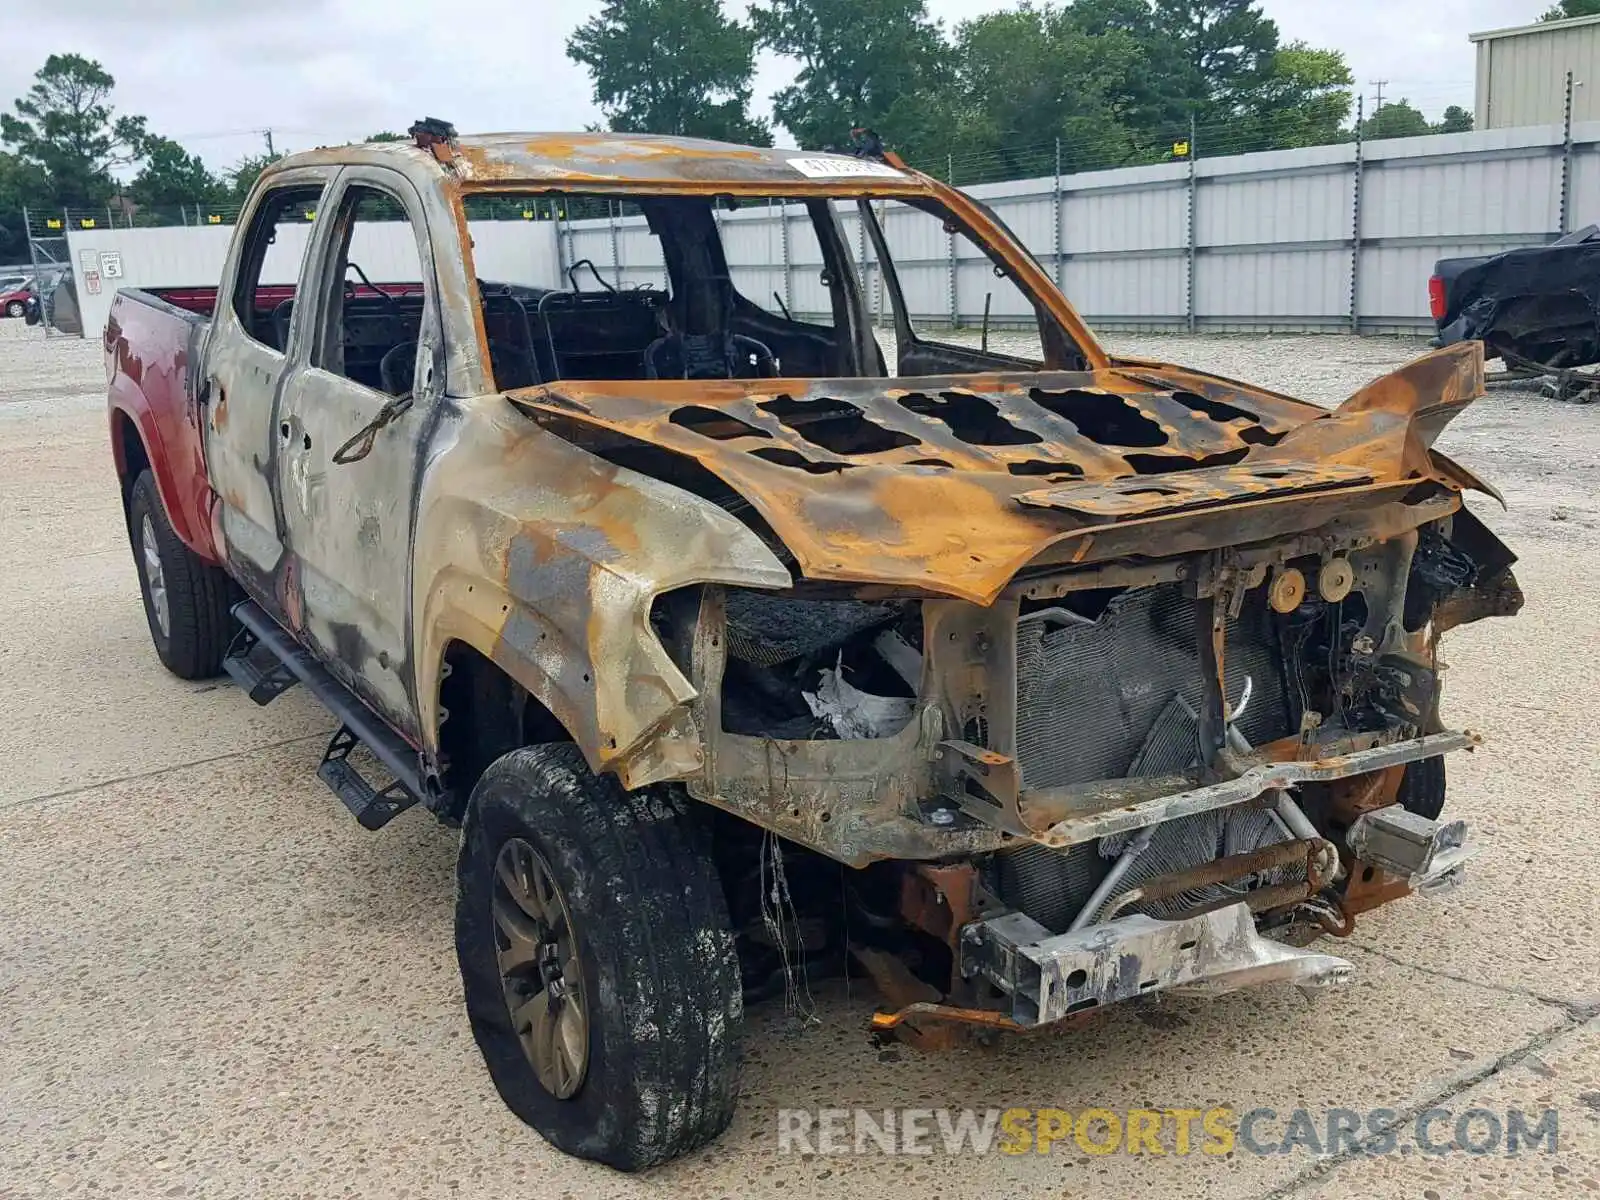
837	168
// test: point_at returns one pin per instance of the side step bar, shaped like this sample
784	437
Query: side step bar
266	661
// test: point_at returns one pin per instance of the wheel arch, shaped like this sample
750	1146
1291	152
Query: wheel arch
483	713
136	446
129	455
547	656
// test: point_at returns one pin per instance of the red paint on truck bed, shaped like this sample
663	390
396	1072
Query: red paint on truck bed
148	342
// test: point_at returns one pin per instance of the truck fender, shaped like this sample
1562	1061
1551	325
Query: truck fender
135	444
545	559
162	432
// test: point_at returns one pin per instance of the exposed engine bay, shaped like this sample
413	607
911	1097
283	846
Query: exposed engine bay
1297	658
1093	676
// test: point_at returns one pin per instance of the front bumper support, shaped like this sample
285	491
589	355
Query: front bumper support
1050	976
1086	812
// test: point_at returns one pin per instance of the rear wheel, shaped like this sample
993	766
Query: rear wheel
15	308
598	966
187	601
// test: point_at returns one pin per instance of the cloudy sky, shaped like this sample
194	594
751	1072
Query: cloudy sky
213	73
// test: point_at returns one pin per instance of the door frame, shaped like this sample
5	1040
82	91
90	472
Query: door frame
416	425
254	420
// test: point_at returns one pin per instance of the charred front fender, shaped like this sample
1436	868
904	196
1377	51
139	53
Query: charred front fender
545	559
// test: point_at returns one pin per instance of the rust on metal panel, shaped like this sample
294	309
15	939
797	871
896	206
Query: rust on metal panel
934	483
976	1018
1138	496
1368	887
1317	857
1069	815
1347	799
546	559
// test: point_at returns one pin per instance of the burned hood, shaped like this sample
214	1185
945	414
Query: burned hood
952	484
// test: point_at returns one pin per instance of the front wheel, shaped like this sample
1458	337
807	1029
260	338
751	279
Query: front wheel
15	308
598	965
1422	787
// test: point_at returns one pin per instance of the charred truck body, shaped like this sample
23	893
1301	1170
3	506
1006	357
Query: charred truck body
1092	677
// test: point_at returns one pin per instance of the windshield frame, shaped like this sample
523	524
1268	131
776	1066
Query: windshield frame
975	218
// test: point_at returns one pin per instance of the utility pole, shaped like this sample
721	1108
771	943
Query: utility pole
1379	84
267	133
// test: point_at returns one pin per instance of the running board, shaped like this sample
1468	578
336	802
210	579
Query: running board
266	661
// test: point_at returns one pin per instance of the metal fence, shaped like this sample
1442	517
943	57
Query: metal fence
1328	237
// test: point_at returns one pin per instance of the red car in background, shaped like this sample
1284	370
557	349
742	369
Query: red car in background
14	293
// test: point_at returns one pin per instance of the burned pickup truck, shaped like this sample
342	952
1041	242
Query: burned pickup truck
737	646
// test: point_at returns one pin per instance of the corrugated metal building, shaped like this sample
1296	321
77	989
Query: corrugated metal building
1522	73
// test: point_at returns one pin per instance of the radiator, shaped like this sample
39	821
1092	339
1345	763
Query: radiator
1089	693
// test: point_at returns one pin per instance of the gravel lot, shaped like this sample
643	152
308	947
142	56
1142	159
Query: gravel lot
214	984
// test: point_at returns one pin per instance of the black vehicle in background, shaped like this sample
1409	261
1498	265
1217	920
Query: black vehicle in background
1536	308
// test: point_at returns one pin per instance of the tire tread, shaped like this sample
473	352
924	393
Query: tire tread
200	596
656	913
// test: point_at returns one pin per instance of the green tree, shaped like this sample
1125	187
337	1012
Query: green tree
1154	93
244	174
1026	76
65	125
1228	49
879	63
1457	119
671	66
22	185
384	135
1304	100
22	182
1572	8
172	176
1118	81
1395	120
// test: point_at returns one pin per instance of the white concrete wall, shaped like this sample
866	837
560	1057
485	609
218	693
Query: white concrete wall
192	256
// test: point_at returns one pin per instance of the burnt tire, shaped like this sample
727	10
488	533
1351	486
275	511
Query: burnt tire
1422	787
656	958
187	601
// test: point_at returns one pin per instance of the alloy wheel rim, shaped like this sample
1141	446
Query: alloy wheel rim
540	972
155	579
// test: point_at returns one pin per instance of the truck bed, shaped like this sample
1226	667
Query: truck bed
152	335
